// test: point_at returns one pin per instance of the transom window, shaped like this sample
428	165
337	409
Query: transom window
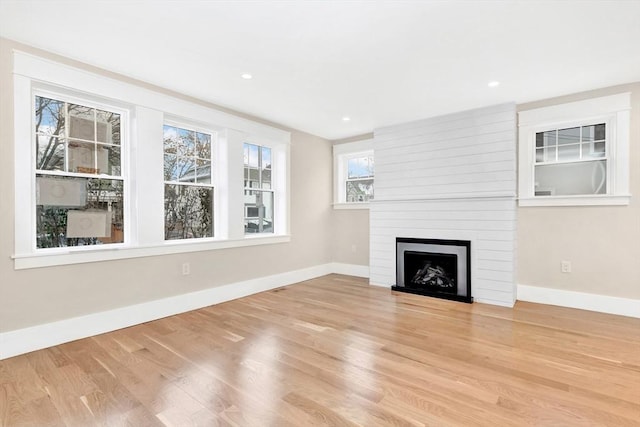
78	169
188	184
258	189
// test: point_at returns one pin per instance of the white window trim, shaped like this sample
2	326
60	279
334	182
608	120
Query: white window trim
149	112
615	111
341	155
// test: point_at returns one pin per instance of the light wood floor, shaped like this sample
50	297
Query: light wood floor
335	351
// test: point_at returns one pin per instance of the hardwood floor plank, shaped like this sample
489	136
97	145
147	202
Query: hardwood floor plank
18	372
321	414
335	351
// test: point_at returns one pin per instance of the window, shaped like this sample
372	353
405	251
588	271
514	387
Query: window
87	180
188	187
78	174
258	189
571	161
353	174
575	154
359	182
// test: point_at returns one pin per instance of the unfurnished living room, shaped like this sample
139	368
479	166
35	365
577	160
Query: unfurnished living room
319	213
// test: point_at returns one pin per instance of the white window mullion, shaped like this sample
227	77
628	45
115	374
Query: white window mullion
25	161
235	186
580	154
147	186
66	136
95	139
280	182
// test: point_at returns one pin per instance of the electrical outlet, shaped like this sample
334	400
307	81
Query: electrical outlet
186	269
566	266
354	248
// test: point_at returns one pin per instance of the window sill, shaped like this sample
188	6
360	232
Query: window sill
80	256
362	205
604	200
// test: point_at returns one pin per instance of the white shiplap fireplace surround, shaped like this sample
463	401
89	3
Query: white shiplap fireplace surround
451	177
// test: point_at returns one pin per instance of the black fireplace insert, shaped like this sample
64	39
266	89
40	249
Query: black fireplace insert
434	267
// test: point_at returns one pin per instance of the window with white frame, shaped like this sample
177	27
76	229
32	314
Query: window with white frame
87	180
575	153
571	161
359	178
354	167
258	189
188	184
78	173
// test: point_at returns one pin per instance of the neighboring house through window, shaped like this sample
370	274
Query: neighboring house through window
353	174
78	171
258	189
359	181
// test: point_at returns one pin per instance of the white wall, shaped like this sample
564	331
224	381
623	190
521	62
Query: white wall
450	177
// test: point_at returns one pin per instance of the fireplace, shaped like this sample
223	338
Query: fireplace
434	267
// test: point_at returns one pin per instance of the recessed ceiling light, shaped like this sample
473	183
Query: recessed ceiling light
247	76
494	84
346	119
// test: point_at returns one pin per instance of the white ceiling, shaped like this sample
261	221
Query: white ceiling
313	62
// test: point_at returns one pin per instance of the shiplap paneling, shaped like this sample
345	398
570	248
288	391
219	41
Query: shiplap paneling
450	177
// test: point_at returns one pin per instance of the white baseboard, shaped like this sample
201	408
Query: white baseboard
22	341
593	302
507	304
350	269
25	340
382	285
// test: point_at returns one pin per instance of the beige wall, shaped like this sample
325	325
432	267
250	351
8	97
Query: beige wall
602	243
350	236
350	230
35	296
